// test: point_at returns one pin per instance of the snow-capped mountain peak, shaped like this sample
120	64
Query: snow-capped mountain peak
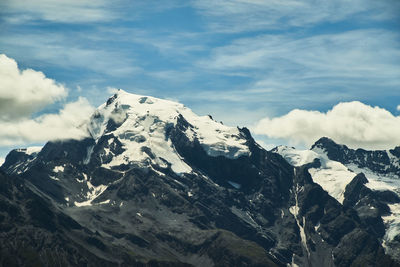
332	175
141	124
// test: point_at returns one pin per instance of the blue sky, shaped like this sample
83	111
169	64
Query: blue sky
240	61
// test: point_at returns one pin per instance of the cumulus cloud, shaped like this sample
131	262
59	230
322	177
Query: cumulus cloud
352	123
26	91
398	108
67	124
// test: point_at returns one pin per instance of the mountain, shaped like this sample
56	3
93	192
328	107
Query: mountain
153	184
368	181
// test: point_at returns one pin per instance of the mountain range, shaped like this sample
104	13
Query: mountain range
154	184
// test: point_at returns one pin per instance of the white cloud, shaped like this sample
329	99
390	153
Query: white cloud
352	123
67	124
398	108
24	92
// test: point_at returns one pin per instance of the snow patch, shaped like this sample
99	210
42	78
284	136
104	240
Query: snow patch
30	150
235	185
88	155
332	176
58	169
54	178
92	194
33	149
316	228
395	161
293	264
296	157
294	210
392	222
378	182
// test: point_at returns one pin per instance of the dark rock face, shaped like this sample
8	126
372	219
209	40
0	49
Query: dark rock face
330	229
17	159
371	205
356	190
378	161
254	210
249	172
33	232
369	250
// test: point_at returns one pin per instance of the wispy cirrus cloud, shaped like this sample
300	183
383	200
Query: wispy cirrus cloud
168	43
284	64
81	11
64	11
352	53
252	15
64	51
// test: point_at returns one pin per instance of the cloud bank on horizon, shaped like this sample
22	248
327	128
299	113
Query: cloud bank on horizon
22	93
351	123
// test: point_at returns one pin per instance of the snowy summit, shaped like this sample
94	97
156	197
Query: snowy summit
141	123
